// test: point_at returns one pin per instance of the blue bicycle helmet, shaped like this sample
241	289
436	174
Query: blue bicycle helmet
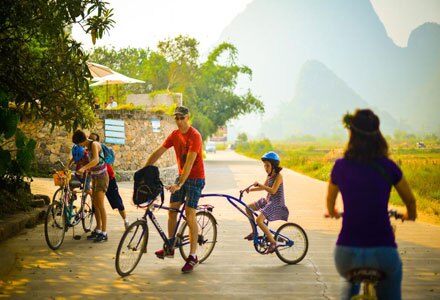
271	156
77	153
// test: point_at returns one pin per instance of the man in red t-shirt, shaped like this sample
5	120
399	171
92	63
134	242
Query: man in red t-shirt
187	143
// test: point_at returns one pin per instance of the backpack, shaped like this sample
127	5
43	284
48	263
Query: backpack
147	185
109	154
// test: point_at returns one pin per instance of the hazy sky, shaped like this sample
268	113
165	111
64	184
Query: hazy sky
400	17
142	23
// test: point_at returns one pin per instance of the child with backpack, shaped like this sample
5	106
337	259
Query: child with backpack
80	158
113	196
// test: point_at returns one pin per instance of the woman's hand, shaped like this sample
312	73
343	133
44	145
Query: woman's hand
80	171
257	184
334	214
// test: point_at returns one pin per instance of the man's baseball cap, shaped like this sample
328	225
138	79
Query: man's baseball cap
181	110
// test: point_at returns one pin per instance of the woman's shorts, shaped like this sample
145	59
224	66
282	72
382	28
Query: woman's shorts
100	183
190	190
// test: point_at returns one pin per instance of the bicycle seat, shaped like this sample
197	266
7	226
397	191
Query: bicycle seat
74	183
359	275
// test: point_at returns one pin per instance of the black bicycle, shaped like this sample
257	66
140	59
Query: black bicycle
134	241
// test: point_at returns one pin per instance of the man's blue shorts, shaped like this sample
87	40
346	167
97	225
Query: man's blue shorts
190	190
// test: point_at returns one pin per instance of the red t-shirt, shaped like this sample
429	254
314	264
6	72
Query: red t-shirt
191	141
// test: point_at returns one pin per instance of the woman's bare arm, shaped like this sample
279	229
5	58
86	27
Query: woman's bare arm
332	193
408	198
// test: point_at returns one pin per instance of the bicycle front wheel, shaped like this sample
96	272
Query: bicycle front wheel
207	236
292	243
55	221
87	213
131	247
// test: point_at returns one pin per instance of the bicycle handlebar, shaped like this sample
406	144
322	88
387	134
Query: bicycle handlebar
246	189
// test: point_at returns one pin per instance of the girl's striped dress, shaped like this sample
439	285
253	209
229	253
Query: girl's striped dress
273	207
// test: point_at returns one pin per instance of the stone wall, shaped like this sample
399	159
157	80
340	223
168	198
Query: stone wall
140	141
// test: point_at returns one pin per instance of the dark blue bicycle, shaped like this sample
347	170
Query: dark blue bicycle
134	241
292	241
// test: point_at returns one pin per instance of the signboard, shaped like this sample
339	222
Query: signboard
114	131
155	124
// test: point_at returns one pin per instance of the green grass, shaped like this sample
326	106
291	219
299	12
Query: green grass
421	167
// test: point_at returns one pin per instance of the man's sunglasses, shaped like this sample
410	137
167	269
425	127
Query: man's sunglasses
179	118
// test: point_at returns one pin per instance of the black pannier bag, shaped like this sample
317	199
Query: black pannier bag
147	185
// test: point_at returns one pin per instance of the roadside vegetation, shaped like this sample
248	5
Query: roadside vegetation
315	158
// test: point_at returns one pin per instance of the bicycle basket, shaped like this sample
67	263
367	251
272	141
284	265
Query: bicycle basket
61	178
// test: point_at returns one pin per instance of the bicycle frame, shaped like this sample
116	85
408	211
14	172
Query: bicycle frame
233	201
68	201
170	243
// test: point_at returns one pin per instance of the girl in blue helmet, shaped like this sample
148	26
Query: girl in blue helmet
272	207
80	158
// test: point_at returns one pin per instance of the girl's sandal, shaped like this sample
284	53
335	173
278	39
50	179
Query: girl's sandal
271	249
249	237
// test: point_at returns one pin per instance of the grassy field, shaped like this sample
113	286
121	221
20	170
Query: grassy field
421	167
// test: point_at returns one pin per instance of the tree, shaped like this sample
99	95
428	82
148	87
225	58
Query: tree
43	74
209	88
182	54
214	95
43	70
138	63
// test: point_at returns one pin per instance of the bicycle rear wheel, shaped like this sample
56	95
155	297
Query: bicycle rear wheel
87	213
292	243
55	221
207	236
131	247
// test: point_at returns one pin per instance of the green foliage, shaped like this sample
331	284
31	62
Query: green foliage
167	109
242	138
214	94
421	167
254	149
43	74
43	70
208	88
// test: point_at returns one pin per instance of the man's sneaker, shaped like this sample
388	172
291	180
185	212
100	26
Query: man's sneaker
162	253
92	236
101	238
190	264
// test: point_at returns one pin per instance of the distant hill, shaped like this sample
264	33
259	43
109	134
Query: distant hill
317	108
276	39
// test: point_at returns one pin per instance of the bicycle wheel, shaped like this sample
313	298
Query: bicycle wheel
131	247
55	221
292	243
207	236
87	213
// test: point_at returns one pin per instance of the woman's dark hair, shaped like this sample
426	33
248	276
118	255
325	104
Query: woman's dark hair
95	134
275	165
366	142
78	137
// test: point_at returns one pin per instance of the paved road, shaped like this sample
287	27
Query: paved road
81	269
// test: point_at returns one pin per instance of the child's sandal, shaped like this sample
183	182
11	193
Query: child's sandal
271	249
249	237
